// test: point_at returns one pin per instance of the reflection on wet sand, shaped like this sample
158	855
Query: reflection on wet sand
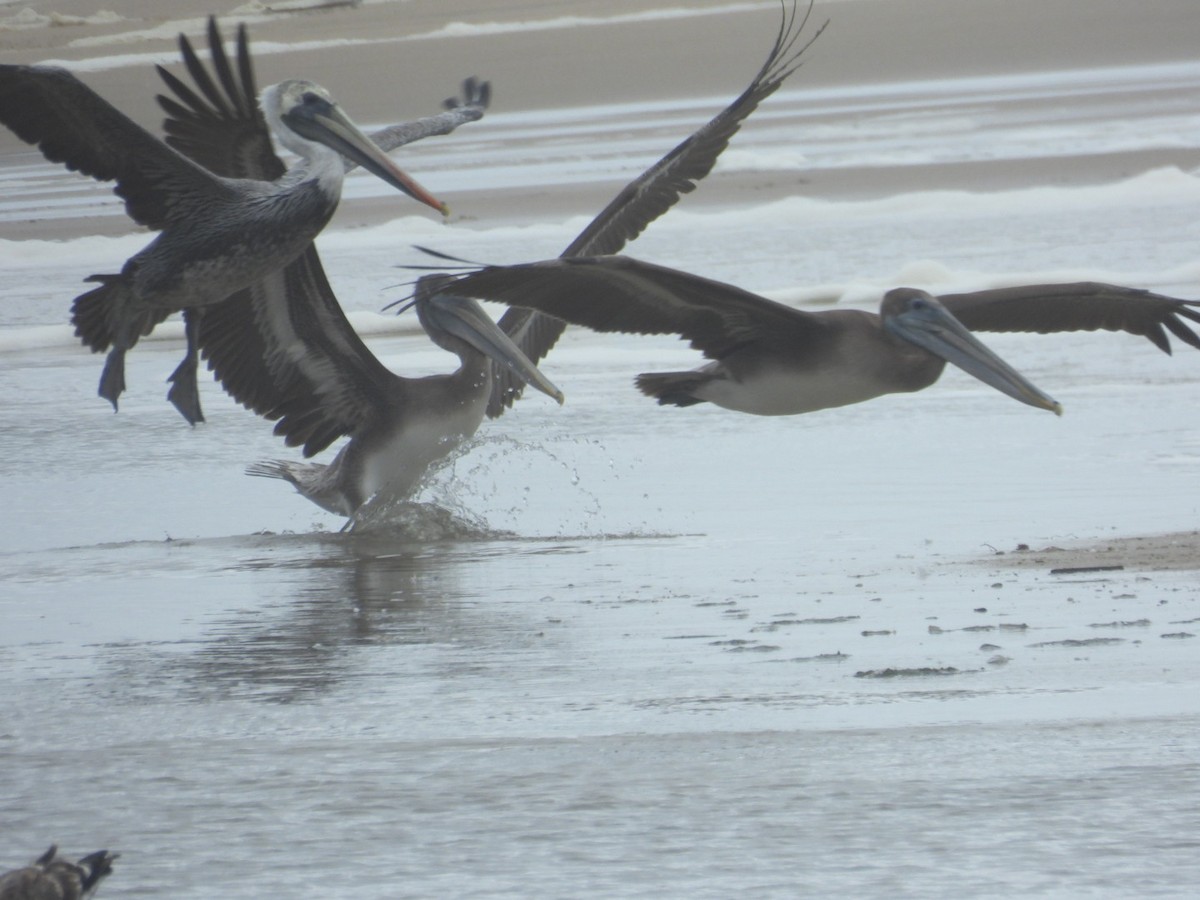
327	601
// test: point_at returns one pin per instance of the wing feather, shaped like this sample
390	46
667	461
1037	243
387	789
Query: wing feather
1078	306
73	125
622	294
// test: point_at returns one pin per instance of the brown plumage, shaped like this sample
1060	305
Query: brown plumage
54	877
830	357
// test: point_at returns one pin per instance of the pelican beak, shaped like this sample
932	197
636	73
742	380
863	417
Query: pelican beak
465	319
929	325
333	128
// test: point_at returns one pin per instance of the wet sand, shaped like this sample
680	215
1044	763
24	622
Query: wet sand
1149	553
868	41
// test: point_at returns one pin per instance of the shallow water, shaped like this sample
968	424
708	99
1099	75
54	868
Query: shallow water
707	661
650	651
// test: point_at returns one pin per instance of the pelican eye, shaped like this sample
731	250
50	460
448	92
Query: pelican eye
310	99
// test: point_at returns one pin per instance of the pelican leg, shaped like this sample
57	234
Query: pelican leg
184	393
112	379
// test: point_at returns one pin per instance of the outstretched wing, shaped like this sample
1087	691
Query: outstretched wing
73	125
470	107
659	188
1079	306
300	362
622	294
221	127
653	193
224	129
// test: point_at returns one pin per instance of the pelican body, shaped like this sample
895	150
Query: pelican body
856	356
416	421
770	359
216	235
53	877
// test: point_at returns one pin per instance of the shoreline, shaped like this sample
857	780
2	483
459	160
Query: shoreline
868	42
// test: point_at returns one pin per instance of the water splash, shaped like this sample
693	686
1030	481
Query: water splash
419	522
554	485
489	488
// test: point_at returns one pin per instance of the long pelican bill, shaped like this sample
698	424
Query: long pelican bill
326	122
465	319
928	324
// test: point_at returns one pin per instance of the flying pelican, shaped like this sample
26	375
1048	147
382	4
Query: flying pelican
217	235
220	126
655	191
769	359
51	875
284	348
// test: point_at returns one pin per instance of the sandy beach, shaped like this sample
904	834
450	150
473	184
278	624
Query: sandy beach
936	645
408	56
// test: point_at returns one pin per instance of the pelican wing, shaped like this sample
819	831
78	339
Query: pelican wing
659	188
470	107
1080	306
300	362
221	127
283	348
622	294
653	193
73	125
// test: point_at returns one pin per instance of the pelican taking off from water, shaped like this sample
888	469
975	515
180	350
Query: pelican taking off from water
770	359
402	425
53	877
217	235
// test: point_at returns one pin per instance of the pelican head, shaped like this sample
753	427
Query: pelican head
919	318
300	111
444	315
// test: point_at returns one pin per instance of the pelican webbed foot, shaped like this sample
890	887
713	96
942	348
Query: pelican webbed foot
184	393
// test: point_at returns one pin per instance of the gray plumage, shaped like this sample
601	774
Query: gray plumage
217	123
216	235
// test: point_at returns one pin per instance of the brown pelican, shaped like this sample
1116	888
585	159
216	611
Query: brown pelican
217	234
655	191
53	876
220	126
405	424
284	348
770	359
